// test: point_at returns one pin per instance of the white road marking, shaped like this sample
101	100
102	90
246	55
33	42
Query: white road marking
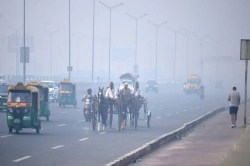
63	112
102	132
168	115
61	125
185	110
56	147
80	121
83	139
4	136
20	159
158	117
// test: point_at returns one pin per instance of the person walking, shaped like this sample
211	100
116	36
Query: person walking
234	99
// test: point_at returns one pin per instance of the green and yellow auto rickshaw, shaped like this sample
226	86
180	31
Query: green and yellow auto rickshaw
44	99
23	108
67	93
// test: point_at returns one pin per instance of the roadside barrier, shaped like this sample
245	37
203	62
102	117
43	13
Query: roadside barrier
162	140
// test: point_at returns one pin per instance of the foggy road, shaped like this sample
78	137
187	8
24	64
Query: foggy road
68	140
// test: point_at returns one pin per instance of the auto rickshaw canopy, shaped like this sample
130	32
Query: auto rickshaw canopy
43	90
32	97
66	86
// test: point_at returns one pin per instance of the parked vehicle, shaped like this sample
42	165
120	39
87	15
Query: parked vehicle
44	99
151	85
53	90
23	108
67	93
3	96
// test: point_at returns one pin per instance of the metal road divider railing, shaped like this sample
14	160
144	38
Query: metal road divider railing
162	140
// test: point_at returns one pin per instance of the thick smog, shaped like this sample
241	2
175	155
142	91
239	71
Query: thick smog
105	82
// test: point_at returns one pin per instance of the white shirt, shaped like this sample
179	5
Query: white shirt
234	98
110	93
136	92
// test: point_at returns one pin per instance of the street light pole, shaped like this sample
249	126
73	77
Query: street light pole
175	40
110	12
69	67
93	41
187	52
78	54
24	56
156	43
136	24
51	33
201	45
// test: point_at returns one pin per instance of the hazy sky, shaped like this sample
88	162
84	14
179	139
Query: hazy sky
221	23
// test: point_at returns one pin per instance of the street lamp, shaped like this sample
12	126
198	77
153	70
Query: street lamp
93	41
136	23
156	42
24	48
175	34
78	54
187	51
69	68
51	33
110	10
201	45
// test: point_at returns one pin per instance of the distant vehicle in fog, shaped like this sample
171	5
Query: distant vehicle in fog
151	85
53	90
3	96
194	86
128	78
2	79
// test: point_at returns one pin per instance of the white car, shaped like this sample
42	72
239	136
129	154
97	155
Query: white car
53	90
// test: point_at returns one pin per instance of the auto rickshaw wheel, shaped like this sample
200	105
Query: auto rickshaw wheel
38	127
37	130
17	130
47	118
10	129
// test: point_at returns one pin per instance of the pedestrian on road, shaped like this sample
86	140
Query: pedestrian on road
234	99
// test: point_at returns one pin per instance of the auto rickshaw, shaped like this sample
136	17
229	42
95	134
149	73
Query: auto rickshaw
44	99
67	93
23	108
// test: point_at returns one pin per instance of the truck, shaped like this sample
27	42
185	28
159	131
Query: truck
194	85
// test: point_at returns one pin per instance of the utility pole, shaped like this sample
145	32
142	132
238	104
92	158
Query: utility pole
136	24
156	43
110	23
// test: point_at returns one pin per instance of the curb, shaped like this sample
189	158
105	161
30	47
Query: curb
162	140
